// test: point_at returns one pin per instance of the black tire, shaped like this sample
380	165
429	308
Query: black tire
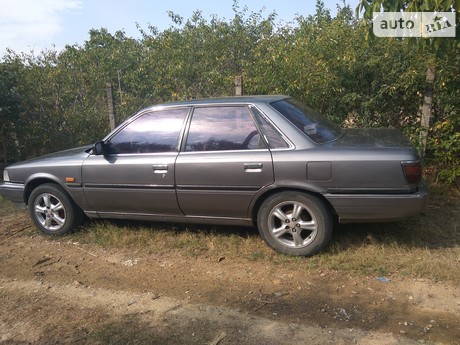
53	211
295	223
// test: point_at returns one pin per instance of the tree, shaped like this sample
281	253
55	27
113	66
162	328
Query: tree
433	47
9	111
59	100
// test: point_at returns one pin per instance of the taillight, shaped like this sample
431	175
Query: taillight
412	172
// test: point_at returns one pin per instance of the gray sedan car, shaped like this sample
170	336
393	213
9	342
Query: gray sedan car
261	160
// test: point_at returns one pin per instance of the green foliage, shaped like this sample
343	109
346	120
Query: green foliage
10	108
367	8
58	100
444	143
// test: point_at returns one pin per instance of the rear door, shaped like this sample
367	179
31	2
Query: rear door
224	162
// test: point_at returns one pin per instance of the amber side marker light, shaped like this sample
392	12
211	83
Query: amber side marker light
412	171
70	179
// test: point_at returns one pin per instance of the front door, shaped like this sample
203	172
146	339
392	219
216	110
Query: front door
136	175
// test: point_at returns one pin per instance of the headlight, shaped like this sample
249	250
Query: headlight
6	177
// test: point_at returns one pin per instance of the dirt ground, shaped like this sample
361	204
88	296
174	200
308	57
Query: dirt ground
58	292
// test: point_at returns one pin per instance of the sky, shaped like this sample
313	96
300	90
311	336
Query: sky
38	25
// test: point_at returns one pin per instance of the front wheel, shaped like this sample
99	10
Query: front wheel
52	210
295	223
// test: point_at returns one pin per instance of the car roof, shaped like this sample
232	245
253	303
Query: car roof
228	100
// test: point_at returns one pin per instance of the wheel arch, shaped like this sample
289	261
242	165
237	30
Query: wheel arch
264	196
36	181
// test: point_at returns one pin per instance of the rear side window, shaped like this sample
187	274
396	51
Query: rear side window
273	137
317	128
156	131
223	128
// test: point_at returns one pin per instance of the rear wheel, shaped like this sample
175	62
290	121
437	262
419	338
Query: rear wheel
53	211
295	223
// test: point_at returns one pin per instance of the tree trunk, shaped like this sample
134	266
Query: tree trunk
426	109
111	105
239	85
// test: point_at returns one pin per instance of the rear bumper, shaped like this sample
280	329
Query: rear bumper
353	208
12	191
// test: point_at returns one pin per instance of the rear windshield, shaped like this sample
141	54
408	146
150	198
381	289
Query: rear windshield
310	122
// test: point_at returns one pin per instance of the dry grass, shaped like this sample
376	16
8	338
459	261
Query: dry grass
7	208
427	246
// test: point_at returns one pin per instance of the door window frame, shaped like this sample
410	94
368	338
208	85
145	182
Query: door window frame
183	148
129	121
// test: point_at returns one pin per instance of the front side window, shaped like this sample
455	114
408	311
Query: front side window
308	121
223	128
156	131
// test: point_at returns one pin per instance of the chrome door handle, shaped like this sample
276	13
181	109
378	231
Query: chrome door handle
253	167
160	168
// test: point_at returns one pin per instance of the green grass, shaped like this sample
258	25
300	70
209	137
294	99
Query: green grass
426	246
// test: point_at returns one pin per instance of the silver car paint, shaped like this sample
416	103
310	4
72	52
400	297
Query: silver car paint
363	178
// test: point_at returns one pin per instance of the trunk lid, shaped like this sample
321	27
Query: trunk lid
373	138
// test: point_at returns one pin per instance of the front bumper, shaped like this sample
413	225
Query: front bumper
353	208
12	191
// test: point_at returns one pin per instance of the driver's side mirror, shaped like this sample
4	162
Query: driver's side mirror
100	148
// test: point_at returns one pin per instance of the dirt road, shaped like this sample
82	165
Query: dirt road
58	292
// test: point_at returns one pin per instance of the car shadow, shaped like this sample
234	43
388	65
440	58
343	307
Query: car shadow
134	225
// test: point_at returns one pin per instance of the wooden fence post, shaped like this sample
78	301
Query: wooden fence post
239	85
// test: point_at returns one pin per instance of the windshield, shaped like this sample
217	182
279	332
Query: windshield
310	122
